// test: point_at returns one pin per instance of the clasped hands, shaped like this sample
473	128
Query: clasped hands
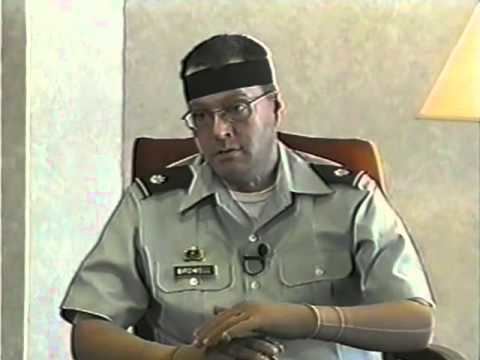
251	325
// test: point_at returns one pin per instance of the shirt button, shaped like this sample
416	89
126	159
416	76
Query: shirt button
319	271
254	285
252	238
193	281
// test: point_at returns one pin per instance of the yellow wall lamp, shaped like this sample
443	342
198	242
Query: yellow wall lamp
456	93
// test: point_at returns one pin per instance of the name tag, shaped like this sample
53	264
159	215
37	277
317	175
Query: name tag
194	270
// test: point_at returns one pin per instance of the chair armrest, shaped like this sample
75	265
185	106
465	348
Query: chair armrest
433	352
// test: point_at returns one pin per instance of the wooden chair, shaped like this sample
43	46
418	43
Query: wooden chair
151	155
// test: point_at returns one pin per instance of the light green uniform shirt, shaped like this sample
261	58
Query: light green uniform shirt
330	244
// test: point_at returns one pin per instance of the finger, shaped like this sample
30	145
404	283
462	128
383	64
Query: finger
214	321
273	341
222	333
241	352
263	346
211	334
238	329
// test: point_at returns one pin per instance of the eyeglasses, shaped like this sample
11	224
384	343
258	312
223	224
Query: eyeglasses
236	112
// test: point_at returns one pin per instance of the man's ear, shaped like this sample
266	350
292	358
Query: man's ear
279	108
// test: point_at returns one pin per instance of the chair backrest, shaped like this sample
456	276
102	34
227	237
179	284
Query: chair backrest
151	155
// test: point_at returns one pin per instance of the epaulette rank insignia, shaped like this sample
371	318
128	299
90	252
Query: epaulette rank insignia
333	174
176	177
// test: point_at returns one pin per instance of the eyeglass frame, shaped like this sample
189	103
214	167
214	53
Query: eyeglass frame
250	103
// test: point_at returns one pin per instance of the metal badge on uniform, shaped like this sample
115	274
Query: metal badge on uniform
194	254
158	179
195	272
341	172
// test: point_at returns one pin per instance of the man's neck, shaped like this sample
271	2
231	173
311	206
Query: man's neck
254	185
258	183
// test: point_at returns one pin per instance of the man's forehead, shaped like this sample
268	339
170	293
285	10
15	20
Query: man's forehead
226	95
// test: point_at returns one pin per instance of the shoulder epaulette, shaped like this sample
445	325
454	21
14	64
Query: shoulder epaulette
332	174
176	177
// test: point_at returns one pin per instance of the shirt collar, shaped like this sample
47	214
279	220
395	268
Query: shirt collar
204	184
294	175
297	176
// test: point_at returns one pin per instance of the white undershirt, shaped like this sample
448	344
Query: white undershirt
252	202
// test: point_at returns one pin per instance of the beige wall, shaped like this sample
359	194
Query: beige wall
346	69
74	119
1	288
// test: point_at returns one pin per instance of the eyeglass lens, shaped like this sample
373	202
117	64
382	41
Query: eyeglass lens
238	112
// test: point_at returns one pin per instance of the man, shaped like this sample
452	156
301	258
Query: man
249	244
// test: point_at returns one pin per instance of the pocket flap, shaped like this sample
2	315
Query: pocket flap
301	268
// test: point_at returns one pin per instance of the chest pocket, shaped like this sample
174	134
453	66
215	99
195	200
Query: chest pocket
184	300
310	277
299	268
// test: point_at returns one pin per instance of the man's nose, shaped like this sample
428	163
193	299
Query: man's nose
222	127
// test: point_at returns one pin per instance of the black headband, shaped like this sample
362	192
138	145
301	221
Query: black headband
228	77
